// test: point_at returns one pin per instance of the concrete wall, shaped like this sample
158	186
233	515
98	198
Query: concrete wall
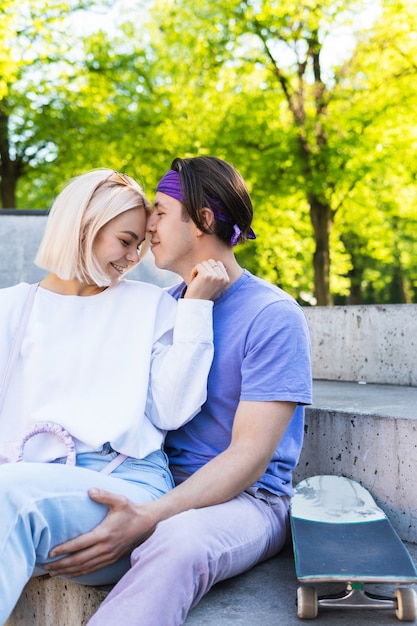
373	344
48	601
378	453
20	235
367	433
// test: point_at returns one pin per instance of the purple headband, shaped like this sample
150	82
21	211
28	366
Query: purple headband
170	184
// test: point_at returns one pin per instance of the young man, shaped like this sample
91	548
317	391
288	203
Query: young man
233	462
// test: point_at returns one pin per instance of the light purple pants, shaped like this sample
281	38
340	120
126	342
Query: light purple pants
190	552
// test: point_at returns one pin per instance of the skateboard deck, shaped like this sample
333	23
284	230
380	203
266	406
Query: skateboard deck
340	535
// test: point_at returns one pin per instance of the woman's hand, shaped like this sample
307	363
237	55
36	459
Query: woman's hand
209	280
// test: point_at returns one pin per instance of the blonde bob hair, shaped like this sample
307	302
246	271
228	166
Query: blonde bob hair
86	204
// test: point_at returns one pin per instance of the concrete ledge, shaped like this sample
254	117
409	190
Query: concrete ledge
265	595
367	433
373	343
48	601
21	233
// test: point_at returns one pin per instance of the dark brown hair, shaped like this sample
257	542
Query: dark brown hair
207	181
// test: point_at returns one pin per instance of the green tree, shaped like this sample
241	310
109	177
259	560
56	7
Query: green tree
36	69
315	112
377	101
326	144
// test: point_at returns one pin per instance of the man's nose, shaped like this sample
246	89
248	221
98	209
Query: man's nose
150	224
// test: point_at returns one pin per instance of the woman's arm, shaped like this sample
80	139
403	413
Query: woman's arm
179	372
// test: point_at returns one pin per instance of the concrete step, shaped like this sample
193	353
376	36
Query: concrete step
367	433
370	343
265	595
47	601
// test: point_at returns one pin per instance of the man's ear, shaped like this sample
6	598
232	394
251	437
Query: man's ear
207	217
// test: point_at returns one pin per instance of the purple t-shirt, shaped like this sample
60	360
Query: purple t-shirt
261	354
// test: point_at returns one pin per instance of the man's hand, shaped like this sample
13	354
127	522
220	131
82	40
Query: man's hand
257	429
122	530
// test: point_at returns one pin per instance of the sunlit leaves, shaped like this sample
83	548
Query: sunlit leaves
261	83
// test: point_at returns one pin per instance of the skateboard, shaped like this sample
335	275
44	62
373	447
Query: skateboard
340	535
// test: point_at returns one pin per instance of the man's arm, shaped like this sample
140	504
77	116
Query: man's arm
258	428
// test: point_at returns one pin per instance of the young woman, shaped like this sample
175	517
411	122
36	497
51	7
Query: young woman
103	368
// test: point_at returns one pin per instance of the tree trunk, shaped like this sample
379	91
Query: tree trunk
9	169
321	215
398	286
322	221
355	294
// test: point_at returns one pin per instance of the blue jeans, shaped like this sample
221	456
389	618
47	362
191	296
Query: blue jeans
45	504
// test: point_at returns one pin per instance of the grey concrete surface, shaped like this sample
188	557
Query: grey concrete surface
266	596
20	236
351	343
376	400
367	433
48	601
372	343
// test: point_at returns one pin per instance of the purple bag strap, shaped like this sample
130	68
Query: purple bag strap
17	342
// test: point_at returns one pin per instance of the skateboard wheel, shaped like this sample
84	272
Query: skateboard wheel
307	604
406	604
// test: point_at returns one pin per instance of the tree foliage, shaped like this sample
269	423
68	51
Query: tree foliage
34	76
326	142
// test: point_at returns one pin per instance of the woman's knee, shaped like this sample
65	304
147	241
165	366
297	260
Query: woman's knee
17	481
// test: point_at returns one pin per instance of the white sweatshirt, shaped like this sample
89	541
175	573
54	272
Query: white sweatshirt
121	367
